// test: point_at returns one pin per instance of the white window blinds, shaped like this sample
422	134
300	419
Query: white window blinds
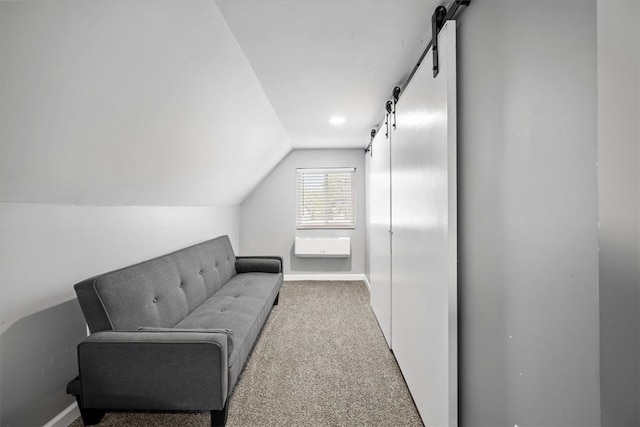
325	198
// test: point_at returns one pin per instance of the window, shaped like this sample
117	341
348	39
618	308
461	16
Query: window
325	198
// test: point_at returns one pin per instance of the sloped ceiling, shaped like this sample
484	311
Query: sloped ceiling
188	102
130	103
320	58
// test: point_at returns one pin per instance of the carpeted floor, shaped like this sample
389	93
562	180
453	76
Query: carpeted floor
321	361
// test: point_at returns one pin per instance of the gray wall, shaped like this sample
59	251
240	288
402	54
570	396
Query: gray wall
528	239
618	188
268	215
37	359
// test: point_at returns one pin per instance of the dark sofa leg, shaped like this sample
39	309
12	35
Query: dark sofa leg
91	416
219	418
277	298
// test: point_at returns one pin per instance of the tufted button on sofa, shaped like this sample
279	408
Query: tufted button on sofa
172	333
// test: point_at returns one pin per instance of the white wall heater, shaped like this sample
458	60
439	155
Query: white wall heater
322	247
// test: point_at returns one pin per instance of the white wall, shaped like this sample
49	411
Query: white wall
128	130
619	213
528	237
45	248
135	103
268	215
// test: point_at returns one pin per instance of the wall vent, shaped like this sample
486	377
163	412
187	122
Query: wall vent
322	247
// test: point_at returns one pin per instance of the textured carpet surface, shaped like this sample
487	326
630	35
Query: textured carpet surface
321	360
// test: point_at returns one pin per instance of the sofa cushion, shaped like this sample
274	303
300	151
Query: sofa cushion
159	292
239	306
146	294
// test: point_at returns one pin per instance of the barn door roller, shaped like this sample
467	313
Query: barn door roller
437	21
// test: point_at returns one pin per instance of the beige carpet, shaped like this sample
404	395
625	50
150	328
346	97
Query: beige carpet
321	361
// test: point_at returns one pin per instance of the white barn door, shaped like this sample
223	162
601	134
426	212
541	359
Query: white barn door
424	241
379	230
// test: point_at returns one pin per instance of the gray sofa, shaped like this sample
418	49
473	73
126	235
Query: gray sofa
172	333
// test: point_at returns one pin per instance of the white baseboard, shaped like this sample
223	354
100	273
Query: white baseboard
320	276
366	282
66	417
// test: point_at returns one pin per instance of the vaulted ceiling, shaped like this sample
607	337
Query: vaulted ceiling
316	59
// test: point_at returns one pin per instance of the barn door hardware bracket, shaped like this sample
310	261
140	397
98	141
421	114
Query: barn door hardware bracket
389	107
454	9
369	148
437	22
396	96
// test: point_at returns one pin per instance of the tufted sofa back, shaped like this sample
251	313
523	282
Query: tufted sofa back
159	292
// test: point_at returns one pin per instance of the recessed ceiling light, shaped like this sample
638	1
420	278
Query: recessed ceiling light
337	120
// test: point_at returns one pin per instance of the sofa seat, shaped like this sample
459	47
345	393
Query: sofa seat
241	306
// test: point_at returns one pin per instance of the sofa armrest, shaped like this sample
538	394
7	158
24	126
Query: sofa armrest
228	332
181	370
259	264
